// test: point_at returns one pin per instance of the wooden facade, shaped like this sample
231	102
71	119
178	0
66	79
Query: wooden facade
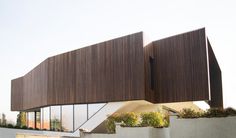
104	72
174	69
179	68
215	79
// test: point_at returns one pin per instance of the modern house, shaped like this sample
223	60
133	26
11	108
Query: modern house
78	89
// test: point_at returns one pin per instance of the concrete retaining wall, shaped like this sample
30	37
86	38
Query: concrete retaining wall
11	133
224	127
132	132
21	133
179	128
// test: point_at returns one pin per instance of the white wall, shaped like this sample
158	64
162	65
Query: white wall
132	132
224	127
11	133
179	128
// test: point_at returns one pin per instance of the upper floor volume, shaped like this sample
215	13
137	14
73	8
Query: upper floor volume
175	69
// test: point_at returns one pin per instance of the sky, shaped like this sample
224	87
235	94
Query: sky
32	30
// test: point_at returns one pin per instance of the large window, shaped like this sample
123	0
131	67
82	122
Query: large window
62	118
80	115
38	118
67	118
31	120
56	118
93	108
46	118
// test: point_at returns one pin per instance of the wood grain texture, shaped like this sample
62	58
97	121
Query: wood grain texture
104	72
215	79
16	94
180	68
35	87
120	70
111	71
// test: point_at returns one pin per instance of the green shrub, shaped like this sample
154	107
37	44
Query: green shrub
10	126
230	111
17	127
131	119
30	128
127	119
24	127
215	112
189	113
153	119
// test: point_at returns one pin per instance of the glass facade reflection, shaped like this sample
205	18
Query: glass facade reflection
66	118
38	120
31	120
80	114
55	122
93	108
46	118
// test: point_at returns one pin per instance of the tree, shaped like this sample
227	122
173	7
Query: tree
4	121
21	119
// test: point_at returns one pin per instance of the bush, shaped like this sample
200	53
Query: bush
17	127
153	119
189	113
110	123
213	112
10	126
127	119
30	128
24	127
230	111
131	119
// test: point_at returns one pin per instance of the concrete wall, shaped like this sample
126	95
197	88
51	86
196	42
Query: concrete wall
179	128
132	132
203	127
11	133
21	133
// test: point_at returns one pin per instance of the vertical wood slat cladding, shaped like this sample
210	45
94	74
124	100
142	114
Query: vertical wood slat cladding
16	94
180	68
61	78
119	70
215	79
35	87
108	71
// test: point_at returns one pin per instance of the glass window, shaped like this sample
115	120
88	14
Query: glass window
27	119
38	120
46	118
56	118
31	120
41	116
93	108
80	115
67	118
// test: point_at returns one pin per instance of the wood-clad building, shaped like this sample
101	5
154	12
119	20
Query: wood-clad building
175	69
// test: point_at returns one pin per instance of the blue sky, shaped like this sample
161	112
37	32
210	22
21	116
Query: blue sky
32	30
